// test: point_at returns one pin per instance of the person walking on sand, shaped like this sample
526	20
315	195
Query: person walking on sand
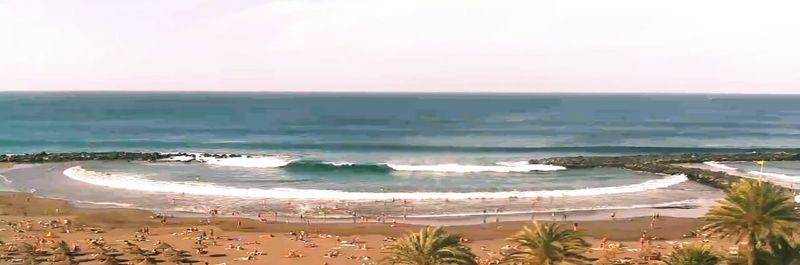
575	227
238	224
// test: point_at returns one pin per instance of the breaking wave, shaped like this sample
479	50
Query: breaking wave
719	165
135	182
319	166
776	176
503	167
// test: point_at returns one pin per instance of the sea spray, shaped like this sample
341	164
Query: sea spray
135	182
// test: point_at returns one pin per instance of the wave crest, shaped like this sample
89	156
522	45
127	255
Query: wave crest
234	161
502	167
783	177
315	165
133	182
719	165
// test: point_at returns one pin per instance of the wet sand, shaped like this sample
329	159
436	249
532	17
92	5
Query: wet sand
50	182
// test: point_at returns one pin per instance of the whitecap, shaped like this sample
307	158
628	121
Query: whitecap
778	176
135	182
719	165
232	161
502	167
339	164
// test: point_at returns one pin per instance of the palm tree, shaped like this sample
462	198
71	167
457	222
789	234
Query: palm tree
752	212
547	244
780	251
694	254
430	246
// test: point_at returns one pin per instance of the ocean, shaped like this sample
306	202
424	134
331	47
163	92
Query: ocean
468	150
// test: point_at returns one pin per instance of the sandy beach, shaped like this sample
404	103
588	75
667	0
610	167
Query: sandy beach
236	237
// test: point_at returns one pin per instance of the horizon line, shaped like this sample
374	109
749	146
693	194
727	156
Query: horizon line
397	92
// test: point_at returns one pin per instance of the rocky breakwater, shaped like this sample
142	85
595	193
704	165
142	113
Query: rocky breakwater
81	156
44	157
666	164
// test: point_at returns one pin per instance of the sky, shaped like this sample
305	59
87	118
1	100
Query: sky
674	46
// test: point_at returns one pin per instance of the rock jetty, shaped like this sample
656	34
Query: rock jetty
666	164
661	163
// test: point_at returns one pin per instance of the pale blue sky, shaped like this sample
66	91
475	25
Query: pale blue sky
676	46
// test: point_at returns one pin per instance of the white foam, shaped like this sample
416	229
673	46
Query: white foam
115	204
181	158
782	177
718	165
339	164
250	161
502	167
133	182
233	161
691	202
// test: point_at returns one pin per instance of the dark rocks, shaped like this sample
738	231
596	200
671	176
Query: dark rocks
81	156
665	164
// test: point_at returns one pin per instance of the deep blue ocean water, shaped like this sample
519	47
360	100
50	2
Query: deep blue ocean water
395	125
368	145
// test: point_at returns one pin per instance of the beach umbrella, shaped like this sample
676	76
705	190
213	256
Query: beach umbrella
175	258
102	256
50	234
61	248
136	250
163	245
110	261
59	257
146	262
169	252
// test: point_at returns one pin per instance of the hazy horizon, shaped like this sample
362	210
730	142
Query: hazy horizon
413	46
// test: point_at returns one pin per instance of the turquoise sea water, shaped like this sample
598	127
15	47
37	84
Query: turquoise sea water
334	146
396	125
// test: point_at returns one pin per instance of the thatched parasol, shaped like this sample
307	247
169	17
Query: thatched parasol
110	261
58	257
175	258
169	252
146	262
136	250
102	256
163	246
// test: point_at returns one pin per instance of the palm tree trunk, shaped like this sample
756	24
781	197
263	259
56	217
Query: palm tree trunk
751	249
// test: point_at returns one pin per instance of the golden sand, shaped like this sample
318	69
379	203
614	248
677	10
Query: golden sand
273	239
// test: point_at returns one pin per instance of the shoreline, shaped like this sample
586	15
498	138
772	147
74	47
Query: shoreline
51	174
18	204
235	237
